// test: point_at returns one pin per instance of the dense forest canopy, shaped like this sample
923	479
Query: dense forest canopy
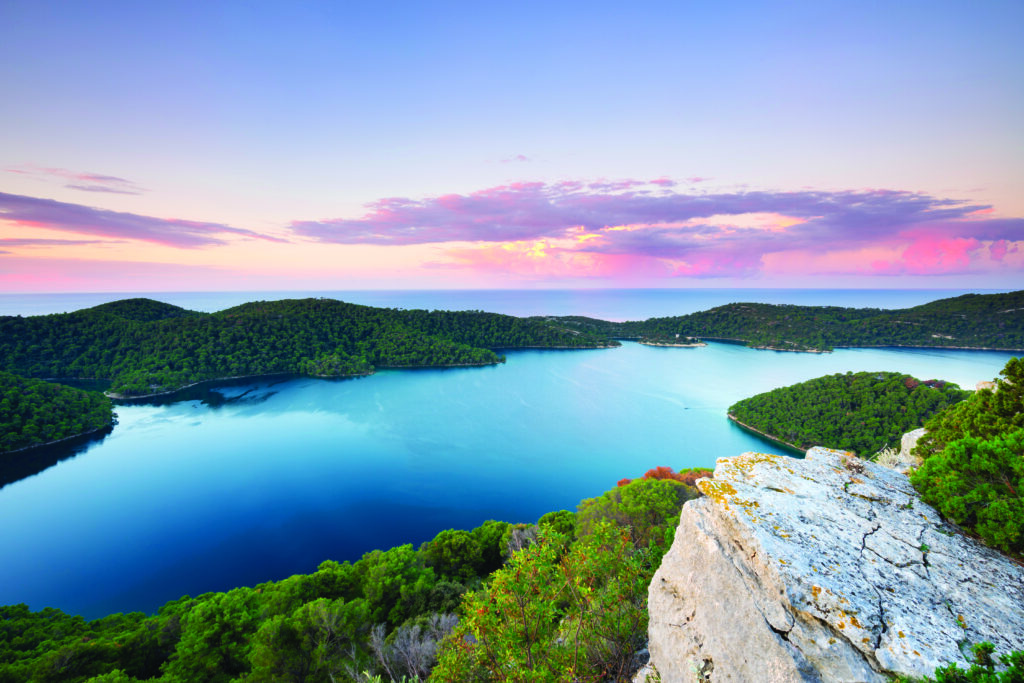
34	412
862	411
993	321
144	346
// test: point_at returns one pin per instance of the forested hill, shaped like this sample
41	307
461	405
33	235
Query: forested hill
993	321
34	412
144	346
143	310
862	411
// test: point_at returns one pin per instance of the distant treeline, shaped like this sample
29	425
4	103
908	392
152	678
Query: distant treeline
34	412
856	411
971	321
144	346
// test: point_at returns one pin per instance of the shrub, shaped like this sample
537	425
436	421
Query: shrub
648	507
973	469
987	413
687	476
978	483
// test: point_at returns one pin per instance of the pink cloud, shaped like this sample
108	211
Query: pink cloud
85	181
1000	248
697	234
932	255
541	260
19	242
33	212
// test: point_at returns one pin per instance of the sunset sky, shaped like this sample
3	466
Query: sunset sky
173	146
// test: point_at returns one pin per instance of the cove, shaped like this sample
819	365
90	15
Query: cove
257	480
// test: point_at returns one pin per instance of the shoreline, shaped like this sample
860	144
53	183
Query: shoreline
946	347
105	427
557	348
677	346
122	397
116	396
775	348
113	395
918	346
771	438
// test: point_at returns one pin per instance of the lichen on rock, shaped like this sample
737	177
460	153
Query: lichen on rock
827	568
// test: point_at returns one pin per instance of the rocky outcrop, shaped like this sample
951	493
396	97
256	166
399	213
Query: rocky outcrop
827	568
908	442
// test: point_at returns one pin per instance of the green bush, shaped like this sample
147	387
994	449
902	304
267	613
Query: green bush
973	468
977	483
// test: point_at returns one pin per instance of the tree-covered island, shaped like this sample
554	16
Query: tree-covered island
146	347
971	321
856	411
35	413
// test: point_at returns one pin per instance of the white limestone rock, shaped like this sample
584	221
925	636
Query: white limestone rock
828	568
908	442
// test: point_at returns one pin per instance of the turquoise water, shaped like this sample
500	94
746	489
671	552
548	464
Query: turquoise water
261	480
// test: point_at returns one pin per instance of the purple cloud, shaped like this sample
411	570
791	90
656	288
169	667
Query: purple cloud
648	219
88	182
48	213
538	210
18	242
99	188
520	158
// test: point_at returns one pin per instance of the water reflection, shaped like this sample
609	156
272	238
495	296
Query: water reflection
16	466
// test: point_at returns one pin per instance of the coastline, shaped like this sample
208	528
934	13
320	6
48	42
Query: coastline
773	439
747	343
557	348
678	346
947	348
122	397
776	348
79	435
113	395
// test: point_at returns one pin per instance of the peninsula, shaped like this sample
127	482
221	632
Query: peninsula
854	411
971	321
145	347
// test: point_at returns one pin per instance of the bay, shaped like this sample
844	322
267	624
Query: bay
257	480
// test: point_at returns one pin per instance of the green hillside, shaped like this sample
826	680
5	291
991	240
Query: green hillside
994	321
34	412
144	346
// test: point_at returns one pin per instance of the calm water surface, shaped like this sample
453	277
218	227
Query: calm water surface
274	477
257	481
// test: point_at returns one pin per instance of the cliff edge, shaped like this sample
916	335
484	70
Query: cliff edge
828	568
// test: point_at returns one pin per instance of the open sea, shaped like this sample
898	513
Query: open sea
256	480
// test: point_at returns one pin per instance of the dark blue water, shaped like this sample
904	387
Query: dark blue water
260	480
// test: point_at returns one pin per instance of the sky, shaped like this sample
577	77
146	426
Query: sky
198	146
